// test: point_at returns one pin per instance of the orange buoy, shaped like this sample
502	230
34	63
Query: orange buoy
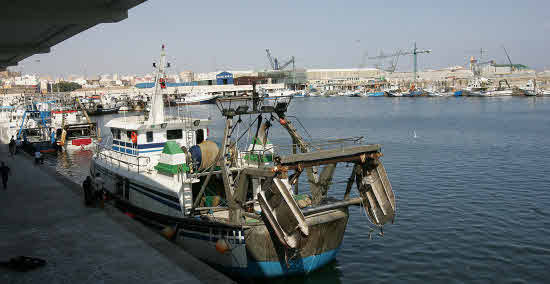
282	121
222	246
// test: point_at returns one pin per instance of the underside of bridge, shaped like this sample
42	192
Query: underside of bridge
34	26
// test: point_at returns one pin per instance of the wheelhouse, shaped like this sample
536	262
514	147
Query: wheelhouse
148	139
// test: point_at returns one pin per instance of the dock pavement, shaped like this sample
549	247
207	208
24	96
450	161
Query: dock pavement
42	214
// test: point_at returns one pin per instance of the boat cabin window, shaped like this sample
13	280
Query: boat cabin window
199	134
116	133
149	136
174	134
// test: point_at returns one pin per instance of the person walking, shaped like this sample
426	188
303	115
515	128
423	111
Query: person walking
38	157
5	171
88	195
11	146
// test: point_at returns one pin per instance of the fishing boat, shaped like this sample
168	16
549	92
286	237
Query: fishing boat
74	131
238	207
503	89
35	132
101	109
477	87
98	105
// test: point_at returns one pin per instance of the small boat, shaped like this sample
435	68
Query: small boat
396	94
414	93
197	99
101	110
124	109
376	94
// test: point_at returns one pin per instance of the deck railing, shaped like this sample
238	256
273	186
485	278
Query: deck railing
104	152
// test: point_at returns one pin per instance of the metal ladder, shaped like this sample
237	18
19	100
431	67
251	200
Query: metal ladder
187	199
188	122
187	202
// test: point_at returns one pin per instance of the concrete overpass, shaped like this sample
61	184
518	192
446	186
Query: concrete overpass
34	26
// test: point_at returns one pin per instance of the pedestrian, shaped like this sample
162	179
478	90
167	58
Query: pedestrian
12	146
87	185
38	157
4	171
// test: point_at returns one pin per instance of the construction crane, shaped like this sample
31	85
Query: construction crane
509	60
274	62
392	63
414	52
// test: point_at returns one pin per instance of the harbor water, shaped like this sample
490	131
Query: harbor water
471	179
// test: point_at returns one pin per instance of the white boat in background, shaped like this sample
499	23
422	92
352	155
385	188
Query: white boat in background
499	93
197	99
124	109
272	94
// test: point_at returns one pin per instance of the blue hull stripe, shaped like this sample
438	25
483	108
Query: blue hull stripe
278	269
152	145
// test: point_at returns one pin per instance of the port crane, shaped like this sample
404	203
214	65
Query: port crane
274	62
414	52
509	60
392	63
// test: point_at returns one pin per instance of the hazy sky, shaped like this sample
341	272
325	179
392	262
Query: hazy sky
215	35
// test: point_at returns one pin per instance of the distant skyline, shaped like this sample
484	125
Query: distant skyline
209	35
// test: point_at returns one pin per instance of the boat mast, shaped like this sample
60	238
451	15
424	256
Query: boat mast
156	116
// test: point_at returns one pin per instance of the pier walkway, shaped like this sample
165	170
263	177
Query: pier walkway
42	215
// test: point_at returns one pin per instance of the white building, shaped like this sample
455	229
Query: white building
26	80
349	74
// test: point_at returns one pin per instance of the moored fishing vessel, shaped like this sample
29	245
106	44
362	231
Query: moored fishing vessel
72	131
238	207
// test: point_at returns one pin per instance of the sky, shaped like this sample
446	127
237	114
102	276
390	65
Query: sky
213	35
